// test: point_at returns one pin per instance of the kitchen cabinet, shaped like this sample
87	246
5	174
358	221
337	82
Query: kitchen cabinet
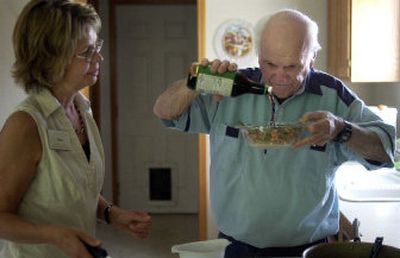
364	40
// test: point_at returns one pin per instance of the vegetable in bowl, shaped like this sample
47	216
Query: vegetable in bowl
272	136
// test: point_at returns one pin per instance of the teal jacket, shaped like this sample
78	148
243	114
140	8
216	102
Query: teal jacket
278	197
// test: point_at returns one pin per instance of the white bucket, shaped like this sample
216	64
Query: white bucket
201	249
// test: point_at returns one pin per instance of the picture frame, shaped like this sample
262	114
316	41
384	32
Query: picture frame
234	41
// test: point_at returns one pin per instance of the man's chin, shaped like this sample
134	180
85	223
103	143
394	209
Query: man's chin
280	91
283	91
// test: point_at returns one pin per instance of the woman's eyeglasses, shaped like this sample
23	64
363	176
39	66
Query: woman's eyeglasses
91	50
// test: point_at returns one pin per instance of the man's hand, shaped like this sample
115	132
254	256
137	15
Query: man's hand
216	66
323	126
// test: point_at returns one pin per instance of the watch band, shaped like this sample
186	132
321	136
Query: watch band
107	213
345	134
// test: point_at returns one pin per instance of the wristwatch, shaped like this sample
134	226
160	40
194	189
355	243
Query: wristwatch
345	134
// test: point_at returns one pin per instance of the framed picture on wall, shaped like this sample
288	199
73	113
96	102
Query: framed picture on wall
234	41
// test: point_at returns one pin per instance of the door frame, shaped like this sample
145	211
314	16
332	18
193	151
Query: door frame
200	4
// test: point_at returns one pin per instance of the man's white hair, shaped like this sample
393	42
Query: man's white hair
312	29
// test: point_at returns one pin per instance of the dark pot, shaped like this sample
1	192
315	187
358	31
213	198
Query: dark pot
349	250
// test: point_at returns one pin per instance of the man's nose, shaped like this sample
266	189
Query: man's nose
280	75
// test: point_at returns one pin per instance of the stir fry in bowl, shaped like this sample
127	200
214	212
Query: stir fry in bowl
270	136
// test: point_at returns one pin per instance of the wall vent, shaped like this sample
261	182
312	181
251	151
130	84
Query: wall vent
160	184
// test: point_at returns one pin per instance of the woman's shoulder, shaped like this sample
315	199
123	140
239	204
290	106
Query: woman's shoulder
20	148
20	122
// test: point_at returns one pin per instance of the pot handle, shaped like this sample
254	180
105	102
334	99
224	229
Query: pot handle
356	230
376	247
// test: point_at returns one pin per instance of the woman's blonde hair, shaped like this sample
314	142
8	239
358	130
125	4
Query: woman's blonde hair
45	38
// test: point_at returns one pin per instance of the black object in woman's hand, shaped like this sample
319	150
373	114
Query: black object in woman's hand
96	251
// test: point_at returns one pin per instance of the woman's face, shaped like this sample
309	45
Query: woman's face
84	68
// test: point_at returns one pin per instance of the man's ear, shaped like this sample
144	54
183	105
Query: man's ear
312	62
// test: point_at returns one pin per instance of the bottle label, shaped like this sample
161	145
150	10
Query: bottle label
214	84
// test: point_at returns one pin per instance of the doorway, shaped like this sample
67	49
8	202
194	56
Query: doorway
151	45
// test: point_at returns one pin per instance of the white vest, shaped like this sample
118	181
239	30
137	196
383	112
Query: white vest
66	187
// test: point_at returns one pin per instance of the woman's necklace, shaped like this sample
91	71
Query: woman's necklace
81	129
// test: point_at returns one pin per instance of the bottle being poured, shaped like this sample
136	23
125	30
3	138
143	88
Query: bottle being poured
230	84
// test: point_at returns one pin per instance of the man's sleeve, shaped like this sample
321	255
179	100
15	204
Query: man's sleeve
197	117
361	115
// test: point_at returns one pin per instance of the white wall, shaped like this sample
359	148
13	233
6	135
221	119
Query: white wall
252	11
387	93
10	94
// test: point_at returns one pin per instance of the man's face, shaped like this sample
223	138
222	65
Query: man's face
284	63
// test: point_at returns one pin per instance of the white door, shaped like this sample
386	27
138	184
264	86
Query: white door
157	166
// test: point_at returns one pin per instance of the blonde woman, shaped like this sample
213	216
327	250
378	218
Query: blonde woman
51	154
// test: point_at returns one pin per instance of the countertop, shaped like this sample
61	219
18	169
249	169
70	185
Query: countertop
376	219
379	217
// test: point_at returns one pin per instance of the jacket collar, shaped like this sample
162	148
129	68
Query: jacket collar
49	104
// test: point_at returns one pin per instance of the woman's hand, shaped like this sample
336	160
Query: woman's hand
70	240
137	223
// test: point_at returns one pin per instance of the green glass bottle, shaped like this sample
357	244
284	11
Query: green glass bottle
229	84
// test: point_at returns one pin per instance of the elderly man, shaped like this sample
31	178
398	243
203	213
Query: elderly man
278	202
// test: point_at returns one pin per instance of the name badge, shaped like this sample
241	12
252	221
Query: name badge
59	140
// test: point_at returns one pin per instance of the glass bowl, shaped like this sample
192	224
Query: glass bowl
272	136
